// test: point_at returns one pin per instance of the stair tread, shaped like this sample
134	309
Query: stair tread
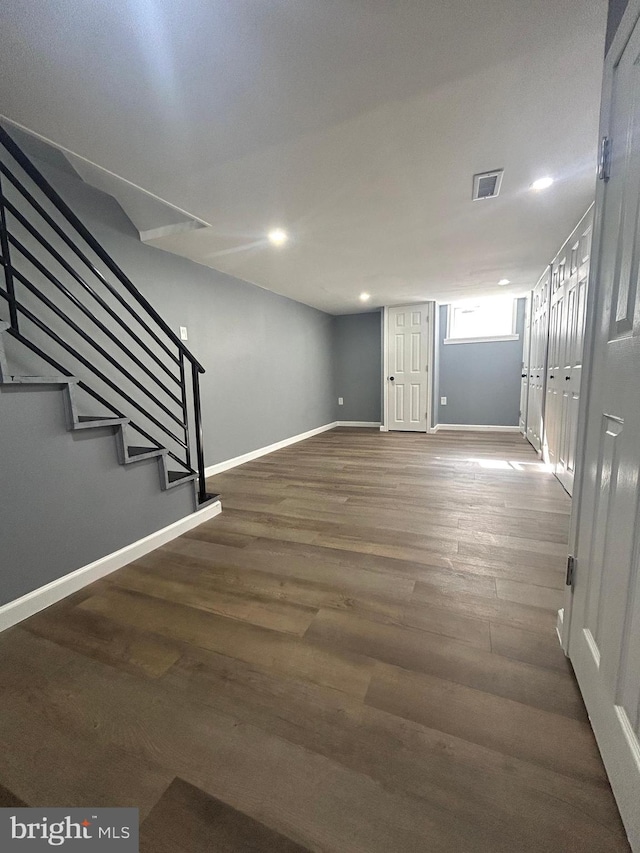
175	476
211	497
136	450
43	380
89	418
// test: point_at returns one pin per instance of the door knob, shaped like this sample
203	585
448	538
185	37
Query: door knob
524	375
552	376
567	378
391	378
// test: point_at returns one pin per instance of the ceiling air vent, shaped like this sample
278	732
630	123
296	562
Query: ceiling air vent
487	184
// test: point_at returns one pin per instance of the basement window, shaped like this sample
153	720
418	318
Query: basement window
484	321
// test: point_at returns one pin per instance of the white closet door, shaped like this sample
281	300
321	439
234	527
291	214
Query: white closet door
524	385
534	409
555	357
538	360
604	637
571	372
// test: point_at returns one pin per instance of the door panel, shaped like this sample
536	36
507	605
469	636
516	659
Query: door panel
538	360
604	637
555	358
407	380
568	376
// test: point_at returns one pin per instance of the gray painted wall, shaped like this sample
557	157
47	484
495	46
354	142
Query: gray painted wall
270	375
358	366
269	360
480	381
65	501
275	368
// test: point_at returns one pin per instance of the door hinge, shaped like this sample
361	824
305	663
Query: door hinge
604	163
571	568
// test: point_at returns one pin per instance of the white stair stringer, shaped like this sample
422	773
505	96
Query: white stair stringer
128	453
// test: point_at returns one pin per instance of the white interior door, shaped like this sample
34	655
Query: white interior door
408	367
604	637
524	385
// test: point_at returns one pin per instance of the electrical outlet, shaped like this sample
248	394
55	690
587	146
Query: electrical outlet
443	401
183	333
341	401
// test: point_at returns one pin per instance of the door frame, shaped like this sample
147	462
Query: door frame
431	314
623	33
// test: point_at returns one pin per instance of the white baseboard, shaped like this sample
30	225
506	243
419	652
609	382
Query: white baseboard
475	428
45	596
219	467
371	424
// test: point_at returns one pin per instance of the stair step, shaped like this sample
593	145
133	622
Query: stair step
177	476
42	380
210	498
138	451
86	421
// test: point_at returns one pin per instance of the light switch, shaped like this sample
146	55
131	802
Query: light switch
183	333
341	401
443	401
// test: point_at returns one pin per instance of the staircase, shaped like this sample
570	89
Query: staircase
73	319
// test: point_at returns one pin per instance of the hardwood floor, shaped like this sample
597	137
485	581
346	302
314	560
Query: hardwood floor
359	654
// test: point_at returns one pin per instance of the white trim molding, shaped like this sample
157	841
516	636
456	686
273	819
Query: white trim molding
475	428
490	339
219	467
56	590
367	424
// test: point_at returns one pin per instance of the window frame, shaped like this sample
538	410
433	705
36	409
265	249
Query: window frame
480	339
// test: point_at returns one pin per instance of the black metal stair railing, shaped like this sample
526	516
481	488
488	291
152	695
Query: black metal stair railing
66	295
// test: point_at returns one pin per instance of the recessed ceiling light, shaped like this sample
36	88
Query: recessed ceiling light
504	281
364	297
278	237
542	183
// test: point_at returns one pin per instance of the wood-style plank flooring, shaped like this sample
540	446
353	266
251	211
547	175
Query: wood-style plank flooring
359	654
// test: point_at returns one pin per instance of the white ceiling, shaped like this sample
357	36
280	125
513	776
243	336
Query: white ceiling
355	124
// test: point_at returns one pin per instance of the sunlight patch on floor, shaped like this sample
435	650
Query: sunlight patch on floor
506	465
